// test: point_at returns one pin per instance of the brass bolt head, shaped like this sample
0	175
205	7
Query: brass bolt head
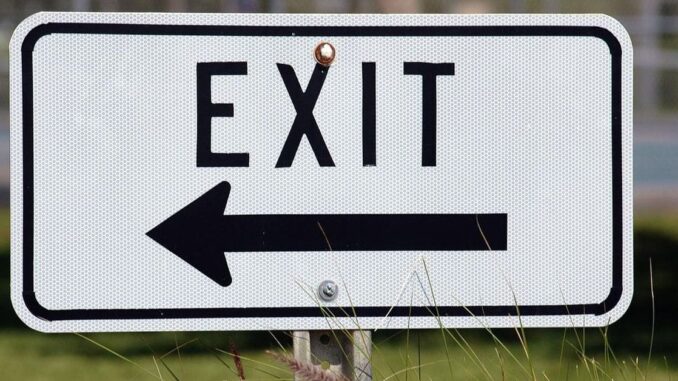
325	53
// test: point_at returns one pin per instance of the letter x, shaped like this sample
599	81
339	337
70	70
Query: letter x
304	122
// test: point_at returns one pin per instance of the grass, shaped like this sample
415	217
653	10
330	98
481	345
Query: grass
4	228
666	224
534	354
39	357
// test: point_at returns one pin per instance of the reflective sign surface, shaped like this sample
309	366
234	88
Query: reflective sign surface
207	172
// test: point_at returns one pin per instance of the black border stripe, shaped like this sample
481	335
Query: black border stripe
290	31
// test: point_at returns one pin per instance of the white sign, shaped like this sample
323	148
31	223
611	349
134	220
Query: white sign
204	172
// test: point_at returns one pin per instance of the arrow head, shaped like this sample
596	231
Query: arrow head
193	234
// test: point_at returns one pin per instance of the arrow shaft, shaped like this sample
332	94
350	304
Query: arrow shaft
364	232
200	233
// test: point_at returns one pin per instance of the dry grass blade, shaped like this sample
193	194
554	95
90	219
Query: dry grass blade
174	376
595	365
439	320
238	362
405	370
649	354
277	341
177	348
520	330
109	350
330	318
264	364
501	364
456	336
482	234
257	369
353	316
216	355
157	368
307	371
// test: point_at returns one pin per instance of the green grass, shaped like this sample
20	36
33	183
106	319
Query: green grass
4	230
29	356
33	363
666	224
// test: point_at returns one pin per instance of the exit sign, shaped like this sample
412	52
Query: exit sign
246	172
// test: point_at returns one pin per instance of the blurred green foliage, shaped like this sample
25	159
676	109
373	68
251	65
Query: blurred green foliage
655	242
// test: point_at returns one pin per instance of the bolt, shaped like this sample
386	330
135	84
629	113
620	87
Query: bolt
325	53
328	290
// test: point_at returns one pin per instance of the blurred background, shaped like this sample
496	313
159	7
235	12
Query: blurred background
653	26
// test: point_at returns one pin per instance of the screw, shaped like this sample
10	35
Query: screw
325	53
328	290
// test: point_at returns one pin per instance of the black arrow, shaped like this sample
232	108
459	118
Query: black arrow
200	233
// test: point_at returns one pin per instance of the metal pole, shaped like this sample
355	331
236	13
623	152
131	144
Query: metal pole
347	354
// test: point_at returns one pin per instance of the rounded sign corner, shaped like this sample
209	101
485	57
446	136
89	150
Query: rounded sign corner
29	310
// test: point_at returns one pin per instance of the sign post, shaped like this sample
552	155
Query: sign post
343	353
320	172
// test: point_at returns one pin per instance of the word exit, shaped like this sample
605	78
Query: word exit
304	123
